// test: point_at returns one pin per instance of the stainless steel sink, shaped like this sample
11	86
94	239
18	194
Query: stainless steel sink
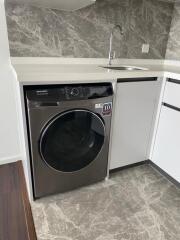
125	68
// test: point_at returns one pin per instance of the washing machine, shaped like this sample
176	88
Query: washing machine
69	133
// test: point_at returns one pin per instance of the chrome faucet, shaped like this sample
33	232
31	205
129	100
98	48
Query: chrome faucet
112	54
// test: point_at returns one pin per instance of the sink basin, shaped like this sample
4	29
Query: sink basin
125	68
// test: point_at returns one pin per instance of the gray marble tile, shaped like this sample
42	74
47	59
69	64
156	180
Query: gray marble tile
85	33
135	204
173	47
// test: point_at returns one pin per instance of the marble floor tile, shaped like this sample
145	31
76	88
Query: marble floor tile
134	204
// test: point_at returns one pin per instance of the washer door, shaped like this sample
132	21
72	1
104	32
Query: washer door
72	140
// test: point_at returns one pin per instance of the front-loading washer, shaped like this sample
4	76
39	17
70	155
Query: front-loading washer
69	133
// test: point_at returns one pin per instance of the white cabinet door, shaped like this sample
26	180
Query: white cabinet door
133	117
172	92
167	145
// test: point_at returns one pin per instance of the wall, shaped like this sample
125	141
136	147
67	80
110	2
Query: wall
41	32
9	136
173	47
4	46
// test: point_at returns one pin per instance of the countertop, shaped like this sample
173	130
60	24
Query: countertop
30	73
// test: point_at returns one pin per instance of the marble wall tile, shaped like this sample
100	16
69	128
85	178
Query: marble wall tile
173	46
42	32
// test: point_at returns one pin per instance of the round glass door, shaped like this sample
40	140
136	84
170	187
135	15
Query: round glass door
72	140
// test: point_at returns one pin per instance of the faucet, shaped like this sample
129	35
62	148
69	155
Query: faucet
112	54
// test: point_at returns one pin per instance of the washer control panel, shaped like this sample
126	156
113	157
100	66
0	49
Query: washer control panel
58	93
74	92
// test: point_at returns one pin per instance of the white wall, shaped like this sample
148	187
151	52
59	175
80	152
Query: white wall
9	134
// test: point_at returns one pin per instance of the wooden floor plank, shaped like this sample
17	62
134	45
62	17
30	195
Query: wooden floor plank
8	178
12	217
16	221
27	206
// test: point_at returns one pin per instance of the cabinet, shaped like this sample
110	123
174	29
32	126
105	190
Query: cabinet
135	105
172	92
166	154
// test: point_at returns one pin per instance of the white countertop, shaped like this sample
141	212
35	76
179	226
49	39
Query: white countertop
37	71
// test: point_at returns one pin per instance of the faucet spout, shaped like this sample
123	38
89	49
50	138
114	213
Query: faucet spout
111	54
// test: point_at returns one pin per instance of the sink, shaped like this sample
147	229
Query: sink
125	68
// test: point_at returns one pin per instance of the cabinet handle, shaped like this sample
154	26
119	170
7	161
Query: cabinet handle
173	81
171	107
148	79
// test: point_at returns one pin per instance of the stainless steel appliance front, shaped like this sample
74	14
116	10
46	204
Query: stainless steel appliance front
69	128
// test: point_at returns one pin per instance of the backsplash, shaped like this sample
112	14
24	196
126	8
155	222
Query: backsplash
173	47
38	32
